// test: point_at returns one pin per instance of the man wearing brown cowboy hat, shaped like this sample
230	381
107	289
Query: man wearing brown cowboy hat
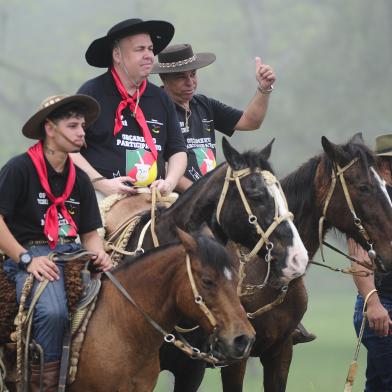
199	115
45	203
377	336
137	132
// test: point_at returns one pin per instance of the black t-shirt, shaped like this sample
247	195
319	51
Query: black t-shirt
127	153
23	201
206	116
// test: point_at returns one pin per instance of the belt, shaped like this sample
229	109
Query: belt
61	241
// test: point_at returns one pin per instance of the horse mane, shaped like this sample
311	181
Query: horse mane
210	253
299	187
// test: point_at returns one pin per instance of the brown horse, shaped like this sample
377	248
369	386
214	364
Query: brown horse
120	352
307	190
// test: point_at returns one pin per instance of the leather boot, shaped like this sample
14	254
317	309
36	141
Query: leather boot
50	375
301	335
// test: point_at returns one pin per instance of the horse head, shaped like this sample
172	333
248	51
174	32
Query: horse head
359	204
260	220
211	299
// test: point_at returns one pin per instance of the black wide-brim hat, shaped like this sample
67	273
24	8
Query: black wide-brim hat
90	108
99	53
180	58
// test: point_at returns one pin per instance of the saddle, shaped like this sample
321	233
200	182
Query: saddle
117	210
76	288
81	293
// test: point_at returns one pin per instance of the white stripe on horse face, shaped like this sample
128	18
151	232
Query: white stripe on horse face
382	184
227	273
297	255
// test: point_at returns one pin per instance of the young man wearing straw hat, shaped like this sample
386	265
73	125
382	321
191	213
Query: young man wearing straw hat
377	337
137	132
45	203
199	115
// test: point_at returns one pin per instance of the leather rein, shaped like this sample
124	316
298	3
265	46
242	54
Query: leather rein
182	344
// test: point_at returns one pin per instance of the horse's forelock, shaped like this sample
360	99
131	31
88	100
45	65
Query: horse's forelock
213	254
254	160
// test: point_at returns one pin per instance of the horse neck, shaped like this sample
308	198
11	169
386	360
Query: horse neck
152	284
194	207
304	196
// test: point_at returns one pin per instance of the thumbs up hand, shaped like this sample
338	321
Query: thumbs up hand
265	75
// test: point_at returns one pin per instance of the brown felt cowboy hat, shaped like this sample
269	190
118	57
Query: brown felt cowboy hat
384	145
89	106
180	58
99	53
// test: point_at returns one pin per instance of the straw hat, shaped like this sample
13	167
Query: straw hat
384	145
33	126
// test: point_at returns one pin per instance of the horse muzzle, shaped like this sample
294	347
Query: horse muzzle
234	349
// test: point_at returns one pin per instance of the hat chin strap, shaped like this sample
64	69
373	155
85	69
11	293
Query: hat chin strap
66	137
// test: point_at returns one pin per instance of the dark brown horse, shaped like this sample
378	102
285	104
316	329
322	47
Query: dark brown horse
200	203
306	189
120	352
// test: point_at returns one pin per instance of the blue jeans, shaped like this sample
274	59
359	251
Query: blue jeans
379	351
50	316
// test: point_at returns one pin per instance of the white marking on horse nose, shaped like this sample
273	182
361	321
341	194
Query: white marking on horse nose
297	255
227	273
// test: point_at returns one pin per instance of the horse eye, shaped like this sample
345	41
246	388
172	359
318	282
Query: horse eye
256	194
364	188
207	283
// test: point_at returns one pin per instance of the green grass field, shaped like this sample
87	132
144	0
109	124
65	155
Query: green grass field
319	366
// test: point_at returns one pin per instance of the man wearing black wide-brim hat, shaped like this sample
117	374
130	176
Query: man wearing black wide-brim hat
45	203
200	116
137	133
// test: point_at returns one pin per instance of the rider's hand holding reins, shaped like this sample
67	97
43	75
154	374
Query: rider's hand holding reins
41	267
165	187
115	185
102	261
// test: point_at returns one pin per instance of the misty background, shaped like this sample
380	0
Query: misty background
332	61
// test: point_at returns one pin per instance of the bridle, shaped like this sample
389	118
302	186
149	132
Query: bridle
269	179
338	173
244	258
182	344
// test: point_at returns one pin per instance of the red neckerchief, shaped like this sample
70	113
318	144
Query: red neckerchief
51	228
138	113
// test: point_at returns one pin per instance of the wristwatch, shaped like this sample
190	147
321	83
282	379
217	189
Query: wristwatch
25	259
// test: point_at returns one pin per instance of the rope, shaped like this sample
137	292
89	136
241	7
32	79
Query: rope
3	372
354	364
155	195
19	322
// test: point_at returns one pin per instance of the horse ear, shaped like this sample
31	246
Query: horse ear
357	139
266	151
233	157
333	151
187	240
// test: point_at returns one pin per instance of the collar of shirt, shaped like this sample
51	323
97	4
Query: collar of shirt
111	89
